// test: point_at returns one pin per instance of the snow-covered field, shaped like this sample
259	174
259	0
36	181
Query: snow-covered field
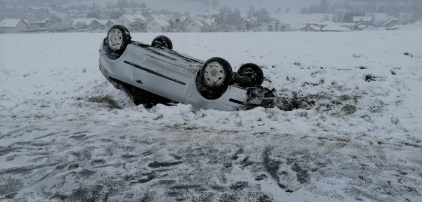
361	139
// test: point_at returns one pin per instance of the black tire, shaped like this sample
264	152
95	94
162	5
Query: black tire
214	78
253	72
162	41
118	37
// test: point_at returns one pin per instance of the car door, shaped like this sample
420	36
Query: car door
162	76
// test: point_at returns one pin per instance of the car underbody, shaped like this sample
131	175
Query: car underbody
153	74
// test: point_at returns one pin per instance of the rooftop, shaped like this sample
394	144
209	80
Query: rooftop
8	22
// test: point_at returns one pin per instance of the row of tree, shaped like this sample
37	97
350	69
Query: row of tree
365	6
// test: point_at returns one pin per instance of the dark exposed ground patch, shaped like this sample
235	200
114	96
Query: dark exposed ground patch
295	102
49	134
25	169
148	197
163	164
370	77
271	166
9	187
6	150
77	137
98	161
301	174
107	100
88	194
239	185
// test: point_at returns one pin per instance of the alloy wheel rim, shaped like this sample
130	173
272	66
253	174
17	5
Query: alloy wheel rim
115	39
214	74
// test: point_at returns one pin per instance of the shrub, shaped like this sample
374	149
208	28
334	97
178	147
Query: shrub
349	109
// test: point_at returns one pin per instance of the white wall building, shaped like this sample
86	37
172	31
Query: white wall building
311	28
277	27
210	24
134	22
363	20
12	25
194	25
158	25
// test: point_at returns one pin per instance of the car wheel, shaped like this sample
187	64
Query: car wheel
118	37
162	41
253	72
214	77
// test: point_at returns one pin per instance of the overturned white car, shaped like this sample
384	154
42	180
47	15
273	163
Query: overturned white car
152	74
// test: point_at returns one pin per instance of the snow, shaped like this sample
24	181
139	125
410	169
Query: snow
361	19
55	144
209	21
390	20
104	22
334	27
161	16
133	17
198	22
8	22
162	22
314	27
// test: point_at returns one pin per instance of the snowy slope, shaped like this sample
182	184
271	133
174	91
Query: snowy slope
360	140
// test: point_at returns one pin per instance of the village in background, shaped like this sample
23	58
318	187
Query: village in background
62	16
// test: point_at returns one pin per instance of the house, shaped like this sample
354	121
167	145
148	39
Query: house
158	25
326	26
339	14
9	25
194	25
210	24
40	24
359	19
105	24
391	22
311	28
362	21
277	27
163	17
178	23
134	22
